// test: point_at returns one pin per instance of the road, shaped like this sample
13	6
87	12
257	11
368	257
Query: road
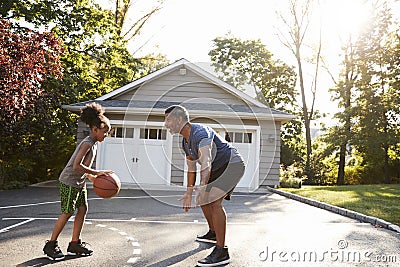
149	228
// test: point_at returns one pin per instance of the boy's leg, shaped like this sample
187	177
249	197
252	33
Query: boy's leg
78	223
76	246
81	205
59	225
66	197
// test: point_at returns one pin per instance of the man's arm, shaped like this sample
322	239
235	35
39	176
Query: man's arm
205	163
191	180
191	175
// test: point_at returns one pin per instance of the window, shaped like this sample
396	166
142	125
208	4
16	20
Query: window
155	134
121	132
129	132
238	137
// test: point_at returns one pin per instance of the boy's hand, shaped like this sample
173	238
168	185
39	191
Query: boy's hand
104	172
90	177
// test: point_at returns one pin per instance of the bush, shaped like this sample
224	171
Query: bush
353	175
14	185
291	177
15	175
291	183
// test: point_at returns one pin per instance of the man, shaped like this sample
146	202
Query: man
221	169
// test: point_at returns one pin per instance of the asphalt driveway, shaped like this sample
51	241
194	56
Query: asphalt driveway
149	228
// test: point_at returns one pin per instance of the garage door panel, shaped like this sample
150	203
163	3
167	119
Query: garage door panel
137	154
116	158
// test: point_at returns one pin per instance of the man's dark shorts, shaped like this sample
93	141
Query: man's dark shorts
226	178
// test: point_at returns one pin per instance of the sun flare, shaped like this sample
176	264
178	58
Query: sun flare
344	18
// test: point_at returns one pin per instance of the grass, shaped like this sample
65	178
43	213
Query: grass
381	201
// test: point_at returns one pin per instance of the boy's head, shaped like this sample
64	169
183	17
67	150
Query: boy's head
93	115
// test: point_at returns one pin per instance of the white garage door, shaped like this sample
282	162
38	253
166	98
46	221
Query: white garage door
246	142
137	154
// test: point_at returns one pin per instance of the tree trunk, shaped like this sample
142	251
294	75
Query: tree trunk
387	177
306	117
342	163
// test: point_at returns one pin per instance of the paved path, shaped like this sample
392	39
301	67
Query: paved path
140	228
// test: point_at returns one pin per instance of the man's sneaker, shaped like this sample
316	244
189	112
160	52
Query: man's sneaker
79	248
219	256
53	251
210	237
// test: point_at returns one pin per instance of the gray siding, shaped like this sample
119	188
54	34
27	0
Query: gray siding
180	88
178	161
269	153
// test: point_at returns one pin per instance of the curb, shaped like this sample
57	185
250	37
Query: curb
342	211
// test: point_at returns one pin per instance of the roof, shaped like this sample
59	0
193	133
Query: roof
209	110
252	109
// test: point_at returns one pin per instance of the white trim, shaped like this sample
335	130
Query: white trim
136	123
210	114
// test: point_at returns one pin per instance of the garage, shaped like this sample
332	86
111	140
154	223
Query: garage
142	152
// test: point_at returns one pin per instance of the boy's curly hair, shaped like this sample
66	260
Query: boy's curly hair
93	115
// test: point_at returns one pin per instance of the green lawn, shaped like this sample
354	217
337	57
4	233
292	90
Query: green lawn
381	201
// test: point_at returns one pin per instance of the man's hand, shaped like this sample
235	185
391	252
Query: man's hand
186	201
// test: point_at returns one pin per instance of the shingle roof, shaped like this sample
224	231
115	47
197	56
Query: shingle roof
252	109
150	107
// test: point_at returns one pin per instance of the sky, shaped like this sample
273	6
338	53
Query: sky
186	28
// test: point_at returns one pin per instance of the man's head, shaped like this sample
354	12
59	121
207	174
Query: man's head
176	117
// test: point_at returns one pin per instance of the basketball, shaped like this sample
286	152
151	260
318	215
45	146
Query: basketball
107	186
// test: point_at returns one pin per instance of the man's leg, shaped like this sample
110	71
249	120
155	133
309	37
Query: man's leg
219	255
207	211
218	214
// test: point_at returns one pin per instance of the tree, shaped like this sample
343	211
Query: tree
95	61
27	60
343	92
377	102
297	24
128	31
248	62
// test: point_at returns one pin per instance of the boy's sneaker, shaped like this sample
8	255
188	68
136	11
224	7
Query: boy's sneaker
79	248
219	256
210	237
53	251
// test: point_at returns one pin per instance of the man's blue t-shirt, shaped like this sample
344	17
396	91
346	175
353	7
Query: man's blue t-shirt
202	135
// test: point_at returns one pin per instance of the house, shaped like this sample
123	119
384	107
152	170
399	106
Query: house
143	153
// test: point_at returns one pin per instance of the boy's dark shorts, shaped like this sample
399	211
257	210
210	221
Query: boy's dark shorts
72	198
226	178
